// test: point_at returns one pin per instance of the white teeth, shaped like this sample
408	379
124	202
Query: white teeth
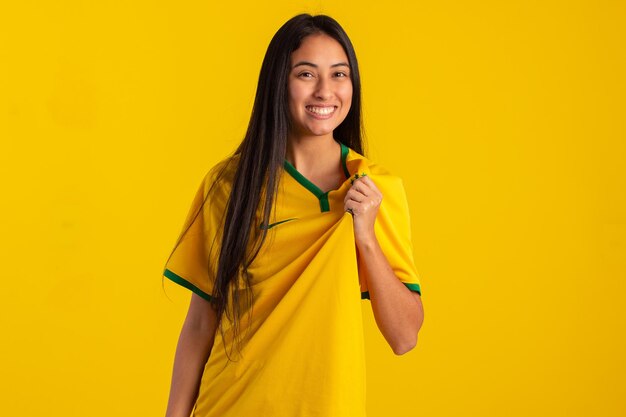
321	110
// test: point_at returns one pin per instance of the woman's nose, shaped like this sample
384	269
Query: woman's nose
323	89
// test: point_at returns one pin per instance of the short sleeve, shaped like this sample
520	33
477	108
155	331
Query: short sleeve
393	231
193	261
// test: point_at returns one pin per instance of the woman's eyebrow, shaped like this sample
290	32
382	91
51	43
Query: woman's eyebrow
339	64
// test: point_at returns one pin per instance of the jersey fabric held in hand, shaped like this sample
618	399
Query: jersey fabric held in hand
304	355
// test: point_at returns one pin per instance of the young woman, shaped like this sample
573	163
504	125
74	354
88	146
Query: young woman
282	238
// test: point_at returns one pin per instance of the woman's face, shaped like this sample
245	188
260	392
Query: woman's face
320	88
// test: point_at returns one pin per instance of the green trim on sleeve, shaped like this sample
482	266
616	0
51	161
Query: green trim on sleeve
182	281
413	287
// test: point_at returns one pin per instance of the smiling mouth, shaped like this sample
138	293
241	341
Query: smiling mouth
321	111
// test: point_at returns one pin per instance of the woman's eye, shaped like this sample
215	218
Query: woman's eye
307	74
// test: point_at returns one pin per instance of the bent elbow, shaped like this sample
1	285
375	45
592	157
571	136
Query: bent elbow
407	347
409	343
403	350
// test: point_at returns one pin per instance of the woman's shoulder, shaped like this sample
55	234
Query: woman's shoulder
221	174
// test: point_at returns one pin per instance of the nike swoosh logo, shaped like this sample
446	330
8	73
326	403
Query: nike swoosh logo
262	226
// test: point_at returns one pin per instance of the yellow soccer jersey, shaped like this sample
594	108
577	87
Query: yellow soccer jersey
305	355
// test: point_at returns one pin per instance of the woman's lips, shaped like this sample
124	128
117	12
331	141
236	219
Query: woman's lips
321	112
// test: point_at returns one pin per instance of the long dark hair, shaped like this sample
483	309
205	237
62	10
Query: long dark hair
261	156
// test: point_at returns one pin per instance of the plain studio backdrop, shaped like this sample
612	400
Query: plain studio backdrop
505	120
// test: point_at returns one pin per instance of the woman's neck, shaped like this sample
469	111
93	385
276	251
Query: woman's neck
313	155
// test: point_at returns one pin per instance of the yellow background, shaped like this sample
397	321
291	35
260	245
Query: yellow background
505	119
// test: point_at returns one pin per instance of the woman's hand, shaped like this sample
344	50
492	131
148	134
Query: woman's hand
363	200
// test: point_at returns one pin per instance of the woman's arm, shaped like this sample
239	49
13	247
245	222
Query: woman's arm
398	311
192	352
